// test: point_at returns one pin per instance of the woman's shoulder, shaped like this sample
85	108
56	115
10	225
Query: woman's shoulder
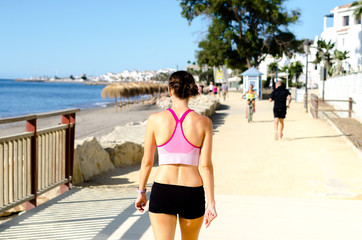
157	116
201	119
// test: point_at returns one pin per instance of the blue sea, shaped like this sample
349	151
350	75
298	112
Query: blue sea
21	98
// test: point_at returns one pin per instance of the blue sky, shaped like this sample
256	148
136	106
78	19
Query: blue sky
42	37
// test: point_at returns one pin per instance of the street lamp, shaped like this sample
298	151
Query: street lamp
307	44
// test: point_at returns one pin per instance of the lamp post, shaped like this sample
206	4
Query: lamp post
307	44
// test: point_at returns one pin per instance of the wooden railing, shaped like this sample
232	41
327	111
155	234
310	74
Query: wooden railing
36	161
315	104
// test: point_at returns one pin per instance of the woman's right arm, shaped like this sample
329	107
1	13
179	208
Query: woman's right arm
207	173
147	163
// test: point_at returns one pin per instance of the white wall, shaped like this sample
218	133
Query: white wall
342	88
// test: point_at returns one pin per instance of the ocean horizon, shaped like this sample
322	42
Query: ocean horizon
23	98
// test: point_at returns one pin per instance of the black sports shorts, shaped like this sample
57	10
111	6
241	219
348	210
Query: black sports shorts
187	202
280	112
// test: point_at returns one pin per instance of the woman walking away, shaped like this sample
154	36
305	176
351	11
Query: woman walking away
184	142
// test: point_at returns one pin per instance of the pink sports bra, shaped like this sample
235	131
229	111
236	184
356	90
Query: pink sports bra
178	150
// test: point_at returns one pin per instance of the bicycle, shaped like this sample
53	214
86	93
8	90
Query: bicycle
250	110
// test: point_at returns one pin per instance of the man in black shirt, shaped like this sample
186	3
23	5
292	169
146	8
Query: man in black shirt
280	96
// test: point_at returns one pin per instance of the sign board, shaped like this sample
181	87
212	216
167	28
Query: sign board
219	74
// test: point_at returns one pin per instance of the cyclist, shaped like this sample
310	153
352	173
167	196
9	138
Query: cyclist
251	97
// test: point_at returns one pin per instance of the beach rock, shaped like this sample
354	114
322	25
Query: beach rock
77	171
125	154
92	160
164	102
202	104
131	132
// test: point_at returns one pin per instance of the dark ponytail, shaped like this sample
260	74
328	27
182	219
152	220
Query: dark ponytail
183	84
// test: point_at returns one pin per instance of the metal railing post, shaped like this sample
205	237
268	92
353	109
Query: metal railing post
350	101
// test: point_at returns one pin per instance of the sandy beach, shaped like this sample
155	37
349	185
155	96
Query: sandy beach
95	122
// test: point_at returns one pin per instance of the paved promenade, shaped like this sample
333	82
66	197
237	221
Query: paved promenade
306	186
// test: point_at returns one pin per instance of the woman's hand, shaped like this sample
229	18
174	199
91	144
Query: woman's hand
210	214
141	202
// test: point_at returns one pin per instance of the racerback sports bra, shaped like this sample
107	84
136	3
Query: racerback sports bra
178	150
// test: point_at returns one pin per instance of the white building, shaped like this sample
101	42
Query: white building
346	33
313	69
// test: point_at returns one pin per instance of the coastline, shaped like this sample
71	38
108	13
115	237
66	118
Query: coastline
64	80
92	122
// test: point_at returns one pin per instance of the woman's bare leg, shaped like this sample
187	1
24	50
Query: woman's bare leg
190	228
163	225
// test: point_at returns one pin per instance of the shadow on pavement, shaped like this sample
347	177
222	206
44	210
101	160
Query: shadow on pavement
25	215
112	177
271	121
135	231
218	118
263	121
314	137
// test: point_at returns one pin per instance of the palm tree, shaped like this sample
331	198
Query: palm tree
273	72
358	11
324	53
339	57
295	69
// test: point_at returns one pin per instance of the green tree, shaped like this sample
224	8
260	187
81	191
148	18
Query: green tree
162	77
272	72
214	48
272	69
340	56
358	11
243	33
295	69
84	77
324	54
207	76
194	71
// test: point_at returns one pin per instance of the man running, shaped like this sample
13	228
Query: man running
280	96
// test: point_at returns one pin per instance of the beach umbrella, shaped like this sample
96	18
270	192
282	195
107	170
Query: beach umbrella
112	91
146	88
123	91
164	88
136	89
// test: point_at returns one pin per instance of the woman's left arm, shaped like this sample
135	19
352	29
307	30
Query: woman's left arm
207	173
146	164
